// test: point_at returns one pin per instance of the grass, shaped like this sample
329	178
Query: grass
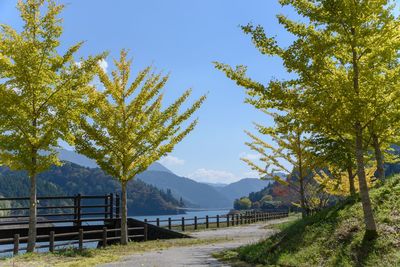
334	237
91	257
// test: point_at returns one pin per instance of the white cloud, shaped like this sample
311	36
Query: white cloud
213	176
171	161
103	64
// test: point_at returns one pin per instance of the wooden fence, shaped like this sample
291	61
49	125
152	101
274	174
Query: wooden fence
217	221
102	217
62	218
76	209
79	238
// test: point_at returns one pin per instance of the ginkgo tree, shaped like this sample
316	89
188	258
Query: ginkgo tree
41	93
336	182
288	152
128	129
344	58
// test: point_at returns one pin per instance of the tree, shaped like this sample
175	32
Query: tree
128	129
243	203
336	182
344	58
41	94
337	154
289	145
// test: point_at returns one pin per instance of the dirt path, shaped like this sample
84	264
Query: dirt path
199	255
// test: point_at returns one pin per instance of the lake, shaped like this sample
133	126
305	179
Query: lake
187	215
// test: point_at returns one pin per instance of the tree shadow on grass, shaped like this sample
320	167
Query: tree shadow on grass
292	239
367	246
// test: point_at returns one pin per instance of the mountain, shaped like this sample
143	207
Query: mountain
194	194
216	185
199	194
71	179
72	156
242	188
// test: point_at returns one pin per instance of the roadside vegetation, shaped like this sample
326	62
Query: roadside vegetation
333	237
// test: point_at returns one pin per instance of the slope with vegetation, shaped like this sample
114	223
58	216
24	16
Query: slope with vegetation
335	236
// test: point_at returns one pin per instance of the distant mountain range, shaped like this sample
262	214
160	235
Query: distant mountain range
242	188
71	179
194	194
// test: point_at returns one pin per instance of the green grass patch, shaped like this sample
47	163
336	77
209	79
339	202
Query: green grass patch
334	237
90	257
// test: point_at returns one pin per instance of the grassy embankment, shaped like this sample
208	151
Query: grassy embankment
333	237
91	257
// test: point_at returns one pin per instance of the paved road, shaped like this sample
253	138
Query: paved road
199	255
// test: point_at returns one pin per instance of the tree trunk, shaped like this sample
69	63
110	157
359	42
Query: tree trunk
364	191
32	206
304	211
380	171
369	220
351	181
124	227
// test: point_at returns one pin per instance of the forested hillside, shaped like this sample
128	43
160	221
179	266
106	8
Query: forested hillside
71	179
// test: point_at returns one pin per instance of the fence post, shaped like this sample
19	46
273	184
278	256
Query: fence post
105	206
158	222
227	220
16	244
111	205
80	239
117	205
195	222
75	209
78	209
183	224
217	221
207	222
237	219
145	232
104	237
169	223
51	242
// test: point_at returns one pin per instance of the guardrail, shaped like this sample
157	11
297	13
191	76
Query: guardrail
77	209
217	221
76	238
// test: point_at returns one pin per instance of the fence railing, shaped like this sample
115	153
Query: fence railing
194	223
105	208
81	237
74	209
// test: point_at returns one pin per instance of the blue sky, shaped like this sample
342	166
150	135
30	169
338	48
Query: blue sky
184	37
